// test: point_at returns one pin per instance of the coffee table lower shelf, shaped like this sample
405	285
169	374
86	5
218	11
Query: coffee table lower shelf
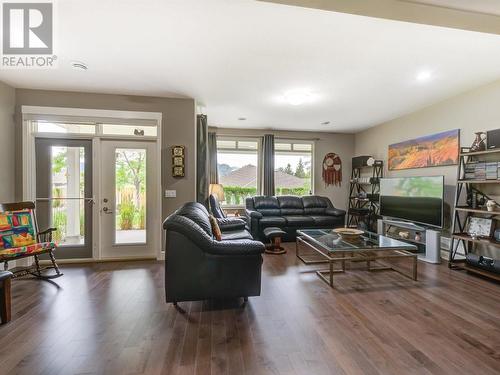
357	255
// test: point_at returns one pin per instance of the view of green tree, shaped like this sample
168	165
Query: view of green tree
299	171
131	169
288	169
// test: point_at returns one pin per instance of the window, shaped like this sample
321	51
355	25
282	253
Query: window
120	129
64	128
293	167
238	166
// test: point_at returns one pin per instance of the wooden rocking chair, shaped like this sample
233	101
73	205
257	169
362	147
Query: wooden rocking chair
20	238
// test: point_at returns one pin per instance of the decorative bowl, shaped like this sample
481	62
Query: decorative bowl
348	234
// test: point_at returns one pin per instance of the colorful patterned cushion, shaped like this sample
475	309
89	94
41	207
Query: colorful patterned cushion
16	229
29	249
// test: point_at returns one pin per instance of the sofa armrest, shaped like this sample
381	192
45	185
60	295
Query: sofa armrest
253	214
238	247
335	212
231	223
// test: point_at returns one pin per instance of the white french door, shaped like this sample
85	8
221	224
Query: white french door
128	199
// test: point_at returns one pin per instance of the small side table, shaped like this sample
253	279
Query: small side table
274	235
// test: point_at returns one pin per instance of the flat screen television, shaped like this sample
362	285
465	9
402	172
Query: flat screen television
415	199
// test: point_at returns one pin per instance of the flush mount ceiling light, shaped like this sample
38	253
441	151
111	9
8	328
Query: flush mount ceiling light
298	97
424	76
78	65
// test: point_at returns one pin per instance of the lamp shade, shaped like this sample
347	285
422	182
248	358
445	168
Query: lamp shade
218	191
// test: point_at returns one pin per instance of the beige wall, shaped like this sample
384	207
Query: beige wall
342	144
476	110
178	128
7	136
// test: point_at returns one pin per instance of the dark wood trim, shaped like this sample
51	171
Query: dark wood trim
5	301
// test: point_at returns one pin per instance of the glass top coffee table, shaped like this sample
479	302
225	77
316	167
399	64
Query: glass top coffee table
374	249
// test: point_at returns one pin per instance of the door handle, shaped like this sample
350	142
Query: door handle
106	210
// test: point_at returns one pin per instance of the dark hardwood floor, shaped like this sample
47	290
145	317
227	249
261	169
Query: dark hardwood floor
111	318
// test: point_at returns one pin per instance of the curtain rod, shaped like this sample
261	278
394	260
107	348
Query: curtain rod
261	135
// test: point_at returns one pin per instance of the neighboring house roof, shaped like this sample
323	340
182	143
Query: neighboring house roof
247	177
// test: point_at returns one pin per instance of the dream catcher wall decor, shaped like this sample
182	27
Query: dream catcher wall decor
332	169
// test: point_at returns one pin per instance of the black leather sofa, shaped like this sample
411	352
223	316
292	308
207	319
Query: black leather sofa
290	213
198	267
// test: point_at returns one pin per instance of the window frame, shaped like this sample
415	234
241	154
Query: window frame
243	151
293	141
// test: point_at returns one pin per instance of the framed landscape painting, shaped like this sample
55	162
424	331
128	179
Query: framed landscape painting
429	151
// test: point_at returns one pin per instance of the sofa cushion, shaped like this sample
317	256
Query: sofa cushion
215	228
261	202
236	235
298	221
272	221
197	213
326	221
290	205
267	206
314	205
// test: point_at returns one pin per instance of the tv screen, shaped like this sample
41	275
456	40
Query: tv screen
416	199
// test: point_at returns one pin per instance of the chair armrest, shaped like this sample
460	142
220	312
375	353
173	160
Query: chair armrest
335	212
231	223
237	247
46	235
253	214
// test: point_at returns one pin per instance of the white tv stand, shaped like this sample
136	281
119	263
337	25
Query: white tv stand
431	238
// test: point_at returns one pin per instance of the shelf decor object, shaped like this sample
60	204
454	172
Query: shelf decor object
364	193
178	161
473	223
429	151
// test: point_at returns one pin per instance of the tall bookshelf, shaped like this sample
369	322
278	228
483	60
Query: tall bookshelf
364	194
466	188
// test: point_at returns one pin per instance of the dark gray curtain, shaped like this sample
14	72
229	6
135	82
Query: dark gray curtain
213	175
268	162
202	159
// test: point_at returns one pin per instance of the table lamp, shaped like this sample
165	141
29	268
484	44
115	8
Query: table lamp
218	191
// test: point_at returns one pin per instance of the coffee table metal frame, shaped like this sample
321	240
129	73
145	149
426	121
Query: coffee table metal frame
368	255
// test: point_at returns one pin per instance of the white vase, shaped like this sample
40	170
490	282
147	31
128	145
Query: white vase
490	205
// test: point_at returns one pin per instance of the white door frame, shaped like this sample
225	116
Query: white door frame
31	113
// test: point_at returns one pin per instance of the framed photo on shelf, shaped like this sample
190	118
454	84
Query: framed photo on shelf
480	227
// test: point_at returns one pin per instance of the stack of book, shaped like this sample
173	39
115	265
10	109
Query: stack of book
470	170
492	170
480	171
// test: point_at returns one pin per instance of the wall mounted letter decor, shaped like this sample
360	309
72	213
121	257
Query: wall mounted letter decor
178	158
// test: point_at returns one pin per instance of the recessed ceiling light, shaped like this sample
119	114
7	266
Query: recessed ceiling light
424	76
78	65
242	118
298	97
325	123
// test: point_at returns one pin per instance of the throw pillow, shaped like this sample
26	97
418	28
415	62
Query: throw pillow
215	228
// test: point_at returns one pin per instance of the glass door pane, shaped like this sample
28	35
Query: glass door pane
64	193
130	196
68	193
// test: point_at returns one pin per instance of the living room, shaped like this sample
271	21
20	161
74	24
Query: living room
259	187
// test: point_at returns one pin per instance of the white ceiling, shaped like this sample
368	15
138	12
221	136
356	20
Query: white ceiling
478	6
238	57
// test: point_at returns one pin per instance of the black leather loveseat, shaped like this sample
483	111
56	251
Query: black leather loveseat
291	213
198	267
